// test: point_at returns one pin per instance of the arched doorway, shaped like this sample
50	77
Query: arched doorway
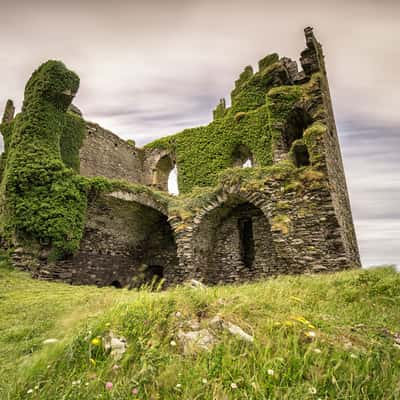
234	243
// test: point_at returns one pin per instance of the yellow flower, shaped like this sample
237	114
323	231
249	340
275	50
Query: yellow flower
96	341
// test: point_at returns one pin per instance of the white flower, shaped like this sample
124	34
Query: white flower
318	351
178	314
178	385
271	372
311	334
173	343
312	390
36	387
233	385
204	380
30	391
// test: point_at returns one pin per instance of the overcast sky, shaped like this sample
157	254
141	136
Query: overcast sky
153	68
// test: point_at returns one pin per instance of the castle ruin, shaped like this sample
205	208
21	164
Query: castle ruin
100	213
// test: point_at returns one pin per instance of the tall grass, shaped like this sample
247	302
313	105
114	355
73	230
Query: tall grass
316	337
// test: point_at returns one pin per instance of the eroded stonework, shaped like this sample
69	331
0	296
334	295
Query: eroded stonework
287	214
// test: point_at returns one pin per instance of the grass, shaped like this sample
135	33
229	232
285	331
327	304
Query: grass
355	316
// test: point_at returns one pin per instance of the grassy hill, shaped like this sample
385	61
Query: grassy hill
315	337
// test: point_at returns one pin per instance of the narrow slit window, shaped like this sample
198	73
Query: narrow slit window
246	241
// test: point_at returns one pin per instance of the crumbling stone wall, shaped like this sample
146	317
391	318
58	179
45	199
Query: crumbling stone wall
105	154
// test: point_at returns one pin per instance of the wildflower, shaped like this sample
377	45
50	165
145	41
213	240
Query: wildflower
312	390
178	385
115	367
96	341
135	391
78	382
178	314
36	387
318	351
204	380
109	385
233	385
30	391
270	372
302	320
311	334
173	343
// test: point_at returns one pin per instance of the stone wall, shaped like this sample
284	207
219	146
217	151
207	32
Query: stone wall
313	60
105	154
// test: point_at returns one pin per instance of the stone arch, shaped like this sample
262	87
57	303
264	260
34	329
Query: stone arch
126	232
242	155
222	248
143	198
162	163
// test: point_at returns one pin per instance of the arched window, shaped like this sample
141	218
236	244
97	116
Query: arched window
166	175
173	181
242	157
297	122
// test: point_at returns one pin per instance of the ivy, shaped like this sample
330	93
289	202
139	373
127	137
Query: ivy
43	200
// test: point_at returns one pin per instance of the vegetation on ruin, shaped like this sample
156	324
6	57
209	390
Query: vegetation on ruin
315	337
259	108
43	200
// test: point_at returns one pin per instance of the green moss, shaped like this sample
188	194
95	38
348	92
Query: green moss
313	137
281	223
43	200
131	142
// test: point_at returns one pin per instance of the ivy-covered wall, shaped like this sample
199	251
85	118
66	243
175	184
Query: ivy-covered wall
261	103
